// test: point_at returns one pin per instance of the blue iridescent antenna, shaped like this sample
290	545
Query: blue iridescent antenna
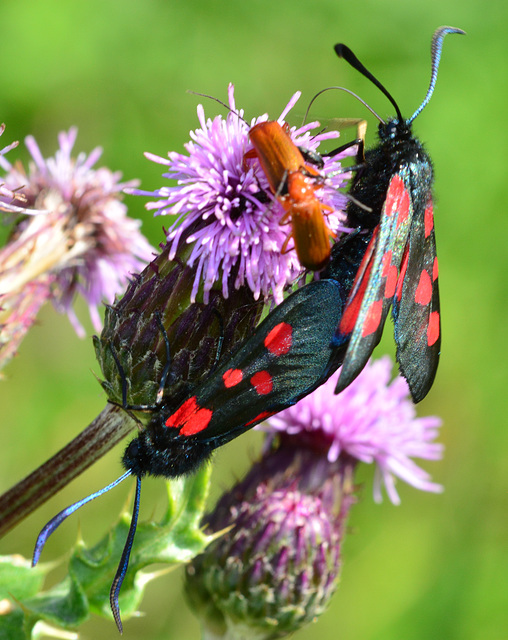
435	53
124	560
55	522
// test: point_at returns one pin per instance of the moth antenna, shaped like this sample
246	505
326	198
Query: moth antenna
435	54
350	93
345	52
55	522
124	560
205	95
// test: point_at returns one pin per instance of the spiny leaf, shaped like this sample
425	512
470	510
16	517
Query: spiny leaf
18	579
175	539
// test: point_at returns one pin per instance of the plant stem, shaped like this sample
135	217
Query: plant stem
101	435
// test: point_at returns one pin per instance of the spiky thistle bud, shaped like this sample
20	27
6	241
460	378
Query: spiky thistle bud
275	563
277	568
158	301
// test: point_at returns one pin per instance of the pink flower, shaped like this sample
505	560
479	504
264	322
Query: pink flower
373	421
74	237
228	210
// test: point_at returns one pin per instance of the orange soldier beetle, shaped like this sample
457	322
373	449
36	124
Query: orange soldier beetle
294	182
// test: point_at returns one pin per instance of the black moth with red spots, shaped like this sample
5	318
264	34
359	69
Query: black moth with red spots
279	364
284	360
399	265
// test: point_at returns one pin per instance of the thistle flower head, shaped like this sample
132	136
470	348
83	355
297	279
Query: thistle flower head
82	238
226	209
71	235
373	421
277	564
276	567
8	197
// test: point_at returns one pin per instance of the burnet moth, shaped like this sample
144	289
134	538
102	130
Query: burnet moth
294	182
280	363
399	265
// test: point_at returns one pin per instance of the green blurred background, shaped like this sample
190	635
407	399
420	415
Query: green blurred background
437	565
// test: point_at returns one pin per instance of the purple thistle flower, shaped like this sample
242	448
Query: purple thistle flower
228	208
372	420
276	566
74	239
7	197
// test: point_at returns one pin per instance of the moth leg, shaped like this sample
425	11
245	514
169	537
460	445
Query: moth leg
220	341
164	376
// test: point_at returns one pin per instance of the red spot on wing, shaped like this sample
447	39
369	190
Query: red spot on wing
350	315
373	318
397	200
391	281
403	208
279	339
435	270
190	418
423	294
261	416
263	383
403	269
387	259
429	219
232	377
394	194
433	328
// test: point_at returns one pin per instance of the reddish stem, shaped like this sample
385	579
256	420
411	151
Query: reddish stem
101	435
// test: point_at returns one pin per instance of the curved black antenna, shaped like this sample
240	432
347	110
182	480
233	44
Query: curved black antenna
350	93
124	560
435	54
55	522
205	95
345	52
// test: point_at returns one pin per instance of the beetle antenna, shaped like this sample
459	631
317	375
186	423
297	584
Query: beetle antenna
350	93
204	95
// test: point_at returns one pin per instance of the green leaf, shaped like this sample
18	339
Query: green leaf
18	579
65	605
175	539
12	626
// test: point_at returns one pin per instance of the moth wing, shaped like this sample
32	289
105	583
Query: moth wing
374	287
416	311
